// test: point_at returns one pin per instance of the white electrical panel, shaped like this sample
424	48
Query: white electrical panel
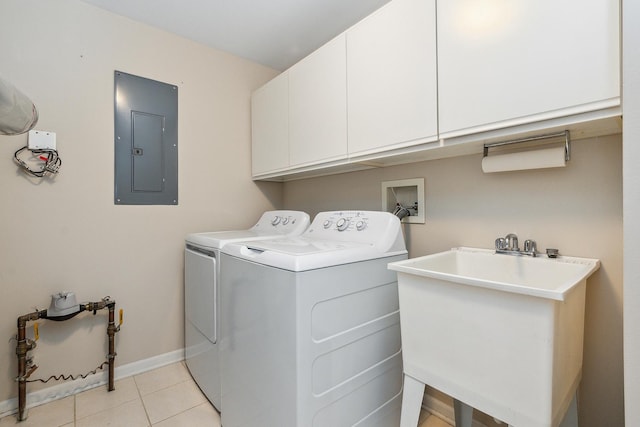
42	140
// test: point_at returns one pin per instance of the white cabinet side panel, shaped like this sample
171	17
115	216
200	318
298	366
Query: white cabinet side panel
270	126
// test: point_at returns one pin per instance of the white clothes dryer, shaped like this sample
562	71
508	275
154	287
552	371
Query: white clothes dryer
201	278
310	329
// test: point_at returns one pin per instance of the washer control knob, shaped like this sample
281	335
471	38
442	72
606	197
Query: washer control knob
361	225
327	223
285	221
342	224
275	221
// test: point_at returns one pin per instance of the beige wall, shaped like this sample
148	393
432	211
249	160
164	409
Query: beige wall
577	209
65	233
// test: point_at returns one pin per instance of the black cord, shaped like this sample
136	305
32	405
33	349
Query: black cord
52	162
64	377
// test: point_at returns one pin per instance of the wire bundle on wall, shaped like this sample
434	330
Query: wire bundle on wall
18	115
48	159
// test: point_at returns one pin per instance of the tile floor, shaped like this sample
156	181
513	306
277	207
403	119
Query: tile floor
165	397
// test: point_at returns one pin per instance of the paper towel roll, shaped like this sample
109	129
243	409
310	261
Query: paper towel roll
534	159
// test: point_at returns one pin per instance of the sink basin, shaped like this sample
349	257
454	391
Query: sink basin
541	276
500	333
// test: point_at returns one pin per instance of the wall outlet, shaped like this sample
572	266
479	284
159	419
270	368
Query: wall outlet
407	192
42	140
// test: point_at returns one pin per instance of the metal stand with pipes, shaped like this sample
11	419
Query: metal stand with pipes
62	308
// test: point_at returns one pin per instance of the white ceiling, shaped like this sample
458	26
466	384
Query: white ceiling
275	33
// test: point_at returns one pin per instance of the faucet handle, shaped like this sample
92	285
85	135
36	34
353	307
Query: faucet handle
501	243
530	246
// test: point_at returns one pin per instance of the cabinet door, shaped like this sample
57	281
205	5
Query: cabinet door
504	62
391	75
318	105
270	126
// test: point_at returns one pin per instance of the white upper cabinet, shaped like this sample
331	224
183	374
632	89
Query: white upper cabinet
427	78
318	106
270	126
504	62
391	75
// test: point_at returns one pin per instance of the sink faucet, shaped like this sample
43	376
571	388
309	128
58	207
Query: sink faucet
511	242
509	245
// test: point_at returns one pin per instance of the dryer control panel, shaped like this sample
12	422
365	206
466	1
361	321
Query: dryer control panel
282	222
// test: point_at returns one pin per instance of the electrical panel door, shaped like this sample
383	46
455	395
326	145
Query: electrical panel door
146	141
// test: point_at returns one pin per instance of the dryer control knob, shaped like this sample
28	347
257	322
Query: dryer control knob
361	225
327	223
342	224
275	221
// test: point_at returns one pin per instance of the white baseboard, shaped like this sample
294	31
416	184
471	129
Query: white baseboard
443	410
69	388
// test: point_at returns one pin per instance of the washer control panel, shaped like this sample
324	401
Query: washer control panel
345	221
352	226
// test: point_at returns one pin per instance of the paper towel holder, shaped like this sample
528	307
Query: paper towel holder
565	134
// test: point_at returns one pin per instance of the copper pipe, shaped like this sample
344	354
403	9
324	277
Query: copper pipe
22	347
111	331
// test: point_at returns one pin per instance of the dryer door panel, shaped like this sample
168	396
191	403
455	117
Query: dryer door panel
200	292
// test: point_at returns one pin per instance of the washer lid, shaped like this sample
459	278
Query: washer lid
299	246
302	254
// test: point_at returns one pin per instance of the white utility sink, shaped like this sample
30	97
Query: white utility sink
500	333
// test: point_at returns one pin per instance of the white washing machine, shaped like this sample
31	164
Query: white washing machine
201	278
310	329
